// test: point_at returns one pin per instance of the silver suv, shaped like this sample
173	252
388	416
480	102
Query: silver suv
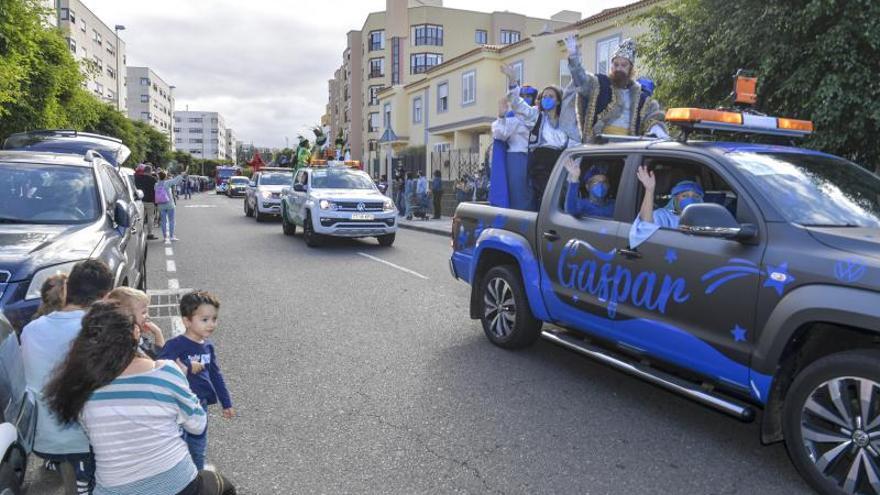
263	194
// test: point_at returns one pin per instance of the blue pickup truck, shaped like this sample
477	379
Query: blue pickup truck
766	297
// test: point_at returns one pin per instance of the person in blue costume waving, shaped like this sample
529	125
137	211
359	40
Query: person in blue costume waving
588	190
509	179
684	193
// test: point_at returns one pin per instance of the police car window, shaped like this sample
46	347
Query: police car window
275	179
594	191
670	173
116	181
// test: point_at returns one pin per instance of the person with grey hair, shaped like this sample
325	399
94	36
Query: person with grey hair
144	180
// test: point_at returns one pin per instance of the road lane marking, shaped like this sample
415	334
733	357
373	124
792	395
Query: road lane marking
173	284
200	206
170	266
392	265
177	327
169	252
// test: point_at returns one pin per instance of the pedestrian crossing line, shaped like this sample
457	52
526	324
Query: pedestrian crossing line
169	251
173	284
170	266
392	265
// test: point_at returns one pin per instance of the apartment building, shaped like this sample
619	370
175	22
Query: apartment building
99	50
150	99
230	144
453	106
401	44
201	134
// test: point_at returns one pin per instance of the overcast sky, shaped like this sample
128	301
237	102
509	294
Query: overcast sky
263	64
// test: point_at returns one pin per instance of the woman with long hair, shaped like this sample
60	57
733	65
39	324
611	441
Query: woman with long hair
131	408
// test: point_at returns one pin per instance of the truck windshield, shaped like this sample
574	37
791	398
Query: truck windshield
47	194
815	190
279	179
341	179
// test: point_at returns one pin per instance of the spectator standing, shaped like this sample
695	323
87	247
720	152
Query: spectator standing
409	193
45	343
422	191
146	182
399	194
437	193
166	203
132	409
196	352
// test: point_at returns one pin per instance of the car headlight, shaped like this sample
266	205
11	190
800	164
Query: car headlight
327	205
388	206
40	277
266	194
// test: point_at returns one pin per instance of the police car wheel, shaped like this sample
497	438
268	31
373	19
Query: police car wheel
386	240
506	317
288	227
257	215
247	210
831	423
309	236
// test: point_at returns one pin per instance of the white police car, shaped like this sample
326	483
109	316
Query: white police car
339	201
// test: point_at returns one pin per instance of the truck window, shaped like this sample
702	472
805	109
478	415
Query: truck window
593	190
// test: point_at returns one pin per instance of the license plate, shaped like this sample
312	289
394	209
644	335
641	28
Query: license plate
361	216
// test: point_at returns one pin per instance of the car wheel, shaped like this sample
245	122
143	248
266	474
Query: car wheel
259	216
506	317
247	210
831	423
309	236
288	227
386	240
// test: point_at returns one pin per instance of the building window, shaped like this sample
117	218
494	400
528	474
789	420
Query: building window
395	60
564	73
96	36
508	37
417	110
196	130
145	115
196	141
195	120
427	34
71	43
421	62
377	67
82	25
177	129
373	123
110	50
145	81
377	40
442	97
111	73
99	63
387	113
145	98
111	94
481	37
604	50
469	87
374	94
519	70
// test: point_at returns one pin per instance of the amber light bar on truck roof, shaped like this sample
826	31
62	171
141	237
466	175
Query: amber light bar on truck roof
723	120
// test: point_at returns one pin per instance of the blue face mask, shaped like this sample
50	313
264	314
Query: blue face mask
683	203
548	103
599	190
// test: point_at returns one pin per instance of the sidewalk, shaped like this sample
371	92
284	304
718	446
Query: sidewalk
443	226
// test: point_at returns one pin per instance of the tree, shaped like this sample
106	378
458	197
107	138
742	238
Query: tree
157	147
814	60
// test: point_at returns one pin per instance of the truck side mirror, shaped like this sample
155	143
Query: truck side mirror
299	187
714	220
120	215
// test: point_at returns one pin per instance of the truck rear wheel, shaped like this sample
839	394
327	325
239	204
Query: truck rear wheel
831	422
506	316
288	227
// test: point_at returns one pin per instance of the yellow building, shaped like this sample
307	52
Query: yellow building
450	110
400	45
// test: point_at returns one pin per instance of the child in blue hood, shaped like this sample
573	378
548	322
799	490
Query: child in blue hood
588	191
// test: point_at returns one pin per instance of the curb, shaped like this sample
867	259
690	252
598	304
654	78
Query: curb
425	229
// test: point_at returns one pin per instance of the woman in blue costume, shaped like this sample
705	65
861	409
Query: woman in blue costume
588	191
684	193
510	155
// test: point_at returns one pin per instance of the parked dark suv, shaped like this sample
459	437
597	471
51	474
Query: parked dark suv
765	297
57	209
18	415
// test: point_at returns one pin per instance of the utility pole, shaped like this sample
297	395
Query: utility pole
116	29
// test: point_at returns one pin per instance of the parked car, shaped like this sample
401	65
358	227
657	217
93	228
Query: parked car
263	196
57	209
337	201
766	296
138	230
237	186
18	417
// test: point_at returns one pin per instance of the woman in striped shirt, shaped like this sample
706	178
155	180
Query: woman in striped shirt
131	408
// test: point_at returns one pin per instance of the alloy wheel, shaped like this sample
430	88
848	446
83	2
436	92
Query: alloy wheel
840	427
499	307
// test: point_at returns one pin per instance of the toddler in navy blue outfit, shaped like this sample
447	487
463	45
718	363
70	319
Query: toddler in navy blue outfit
196	352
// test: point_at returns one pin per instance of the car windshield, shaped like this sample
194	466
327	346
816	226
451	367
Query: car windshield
816	190
50	194
341	179
279	179
239	181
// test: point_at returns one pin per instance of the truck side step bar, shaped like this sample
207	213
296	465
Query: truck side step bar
661	379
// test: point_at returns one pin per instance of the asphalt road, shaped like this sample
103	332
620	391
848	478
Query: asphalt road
351	375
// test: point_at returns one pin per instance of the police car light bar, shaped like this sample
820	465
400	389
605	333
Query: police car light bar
719	120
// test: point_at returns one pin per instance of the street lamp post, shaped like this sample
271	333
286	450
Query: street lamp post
116	29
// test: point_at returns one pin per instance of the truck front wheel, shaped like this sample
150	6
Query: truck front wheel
506	316
831	422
